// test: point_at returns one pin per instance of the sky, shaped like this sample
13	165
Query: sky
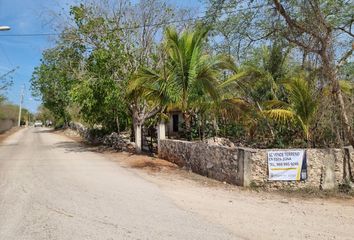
24	52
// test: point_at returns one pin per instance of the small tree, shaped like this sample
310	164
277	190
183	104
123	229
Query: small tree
5	83
193	72
301	108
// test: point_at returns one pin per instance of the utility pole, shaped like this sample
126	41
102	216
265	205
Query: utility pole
21	101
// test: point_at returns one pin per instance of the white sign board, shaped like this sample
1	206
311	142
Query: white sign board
287	165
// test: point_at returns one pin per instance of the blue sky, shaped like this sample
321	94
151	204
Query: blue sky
27	17
24	16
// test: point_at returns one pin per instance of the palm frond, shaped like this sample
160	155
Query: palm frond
283	116
302	99
235	109
244	77
274	104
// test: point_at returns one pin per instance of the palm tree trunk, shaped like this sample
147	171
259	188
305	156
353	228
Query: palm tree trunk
266	120
216	127
202	126
188	124
308	139
117	123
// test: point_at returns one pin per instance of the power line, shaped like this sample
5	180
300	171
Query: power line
121	28
29	34
134	27
6	56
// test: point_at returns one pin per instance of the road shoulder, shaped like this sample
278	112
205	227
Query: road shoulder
239	209
8	133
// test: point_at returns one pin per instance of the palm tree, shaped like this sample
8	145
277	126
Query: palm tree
148	93
193	72
257	80
300	108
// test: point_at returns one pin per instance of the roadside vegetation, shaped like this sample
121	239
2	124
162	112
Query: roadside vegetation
9	111
260	73
5	83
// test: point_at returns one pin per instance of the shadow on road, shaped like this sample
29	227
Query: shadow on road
45	130
78	147
8	145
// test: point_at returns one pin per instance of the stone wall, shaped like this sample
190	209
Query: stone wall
6	124
217	162
118	142
326	168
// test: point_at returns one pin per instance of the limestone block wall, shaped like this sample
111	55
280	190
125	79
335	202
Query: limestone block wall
217	162
326	168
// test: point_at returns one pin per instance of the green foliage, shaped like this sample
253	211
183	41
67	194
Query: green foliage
54	78
301	108
107	72
193	72
44	114
5	82
10	111
99	102
99	97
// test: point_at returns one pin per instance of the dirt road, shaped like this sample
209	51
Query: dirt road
53	188
50	188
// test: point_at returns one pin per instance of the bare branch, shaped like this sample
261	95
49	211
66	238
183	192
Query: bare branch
153	112
292	23
344	59
306	47
345	31
261	37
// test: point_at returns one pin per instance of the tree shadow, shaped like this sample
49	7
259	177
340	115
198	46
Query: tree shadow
70	146
8	145
45	131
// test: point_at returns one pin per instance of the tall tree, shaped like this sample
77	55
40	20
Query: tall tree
313	25
54	78
193	72
122	40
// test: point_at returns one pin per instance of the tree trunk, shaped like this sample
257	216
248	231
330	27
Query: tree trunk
215	127
188	125
66	122
330	73
132	133
347	128
137	134
161	134
117	123
138	140
202	126
266	120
